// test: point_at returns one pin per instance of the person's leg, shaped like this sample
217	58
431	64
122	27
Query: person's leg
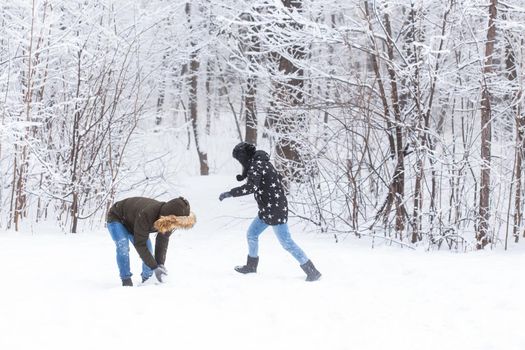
283	234
146	271
120	236
254	231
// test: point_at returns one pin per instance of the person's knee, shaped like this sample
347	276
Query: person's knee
289	245
252	235
122	246
253	239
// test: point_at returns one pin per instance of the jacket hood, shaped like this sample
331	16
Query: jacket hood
243	152
178	206
261	155
166	224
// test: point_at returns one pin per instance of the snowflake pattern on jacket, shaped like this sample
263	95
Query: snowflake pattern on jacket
265	183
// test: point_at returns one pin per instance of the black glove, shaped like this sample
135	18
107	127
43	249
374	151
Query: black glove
240	177
160	271
225	195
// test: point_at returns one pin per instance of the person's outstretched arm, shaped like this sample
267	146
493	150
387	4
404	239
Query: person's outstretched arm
251	185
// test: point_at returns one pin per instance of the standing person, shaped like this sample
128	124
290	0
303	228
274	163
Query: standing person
133	219
264	182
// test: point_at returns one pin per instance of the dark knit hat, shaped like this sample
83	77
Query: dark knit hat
178	206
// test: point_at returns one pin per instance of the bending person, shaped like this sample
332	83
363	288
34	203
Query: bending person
133	219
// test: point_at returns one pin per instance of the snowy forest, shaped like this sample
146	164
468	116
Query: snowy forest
401	120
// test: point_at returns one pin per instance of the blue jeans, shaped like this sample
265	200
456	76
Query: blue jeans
283	234
121	236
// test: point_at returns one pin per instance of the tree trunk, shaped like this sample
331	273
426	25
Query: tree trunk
209	93
380	85
251	111
284	117
396	189
162	91
512	73
399	174
251	45
424	125
193	93
482	235
20	178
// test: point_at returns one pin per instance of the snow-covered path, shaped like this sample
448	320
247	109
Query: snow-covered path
63	292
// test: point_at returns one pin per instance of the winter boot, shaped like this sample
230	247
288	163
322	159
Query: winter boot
250	267
127	282
311	272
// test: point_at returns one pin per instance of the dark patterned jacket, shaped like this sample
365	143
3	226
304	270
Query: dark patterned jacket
265	183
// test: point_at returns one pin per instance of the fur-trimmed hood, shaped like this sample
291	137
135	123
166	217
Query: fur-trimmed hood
168	223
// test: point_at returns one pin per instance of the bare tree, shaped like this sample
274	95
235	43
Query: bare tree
286	116
250	45
482	235
193	94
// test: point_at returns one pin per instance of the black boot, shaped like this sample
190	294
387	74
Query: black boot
127	282
250	267
311	272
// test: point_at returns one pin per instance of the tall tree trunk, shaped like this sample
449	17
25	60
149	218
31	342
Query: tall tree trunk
162	90
380	85
18	197
512	74
396	189
285	117
210	67
251	45
193	93
76	149
398	181
482	235
250	110
412	39
425	134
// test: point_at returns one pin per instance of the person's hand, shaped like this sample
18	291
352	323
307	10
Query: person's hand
160	271
240	177
225	195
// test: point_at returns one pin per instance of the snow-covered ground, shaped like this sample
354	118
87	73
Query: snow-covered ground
63	291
